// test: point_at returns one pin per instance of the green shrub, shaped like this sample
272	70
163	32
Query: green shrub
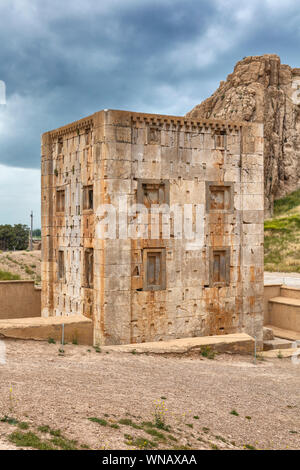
6	276
29	439
208	352
100	421
285	204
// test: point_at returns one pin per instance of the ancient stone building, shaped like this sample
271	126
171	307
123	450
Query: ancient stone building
144	274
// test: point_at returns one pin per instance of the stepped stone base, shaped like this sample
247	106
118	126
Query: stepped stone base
277	343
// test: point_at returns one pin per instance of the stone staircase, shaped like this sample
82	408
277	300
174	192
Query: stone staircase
278	341
284	310
283	329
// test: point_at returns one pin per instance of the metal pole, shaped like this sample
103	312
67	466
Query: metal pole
31	231
255	349
63	334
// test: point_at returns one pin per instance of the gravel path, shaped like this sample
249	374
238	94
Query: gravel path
63	392
289	279
6	446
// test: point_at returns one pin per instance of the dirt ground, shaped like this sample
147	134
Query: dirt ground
26	264
225	403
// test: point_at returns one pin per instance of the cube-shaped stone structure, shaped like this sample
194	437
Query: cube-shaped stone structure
152	226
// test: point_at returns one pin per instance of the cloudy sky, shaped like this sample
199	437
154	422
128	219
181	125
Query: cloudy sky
64	59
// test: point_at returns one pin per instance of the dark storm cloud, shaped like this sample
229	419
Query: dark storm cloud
63	60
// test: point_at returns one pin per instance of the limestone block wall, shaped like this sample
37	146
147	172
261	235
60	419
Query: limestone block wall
115	153
67	166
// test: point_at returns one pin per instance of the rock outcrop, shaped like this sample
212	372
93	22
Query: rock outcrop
264	90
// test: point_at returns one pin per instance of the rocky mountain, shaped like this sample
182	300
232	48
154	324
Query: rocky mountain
264	90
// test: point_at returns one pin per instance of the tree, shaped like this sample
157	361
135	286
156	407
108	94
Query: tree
14	237
37	233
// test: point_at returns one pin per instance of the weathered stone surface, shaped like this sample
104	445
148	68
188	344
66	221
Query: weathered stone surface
277	343
19	299
285	334
76	328
239	343
261	89
282	353
268	334
211	287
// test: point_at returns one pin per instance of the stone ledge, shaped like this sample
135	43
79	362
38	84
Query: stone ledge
41	329
18	281
282	353
239	343
285	301
284	334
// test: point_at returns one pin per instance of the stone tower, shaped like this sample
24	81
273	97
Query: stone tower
196	274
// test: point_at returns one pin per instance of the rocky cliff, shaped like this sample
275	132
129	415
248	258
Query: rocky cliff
264	90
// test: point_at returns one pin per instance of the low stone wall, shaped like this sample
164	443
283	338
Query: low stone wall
77	329
285	315
19	299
